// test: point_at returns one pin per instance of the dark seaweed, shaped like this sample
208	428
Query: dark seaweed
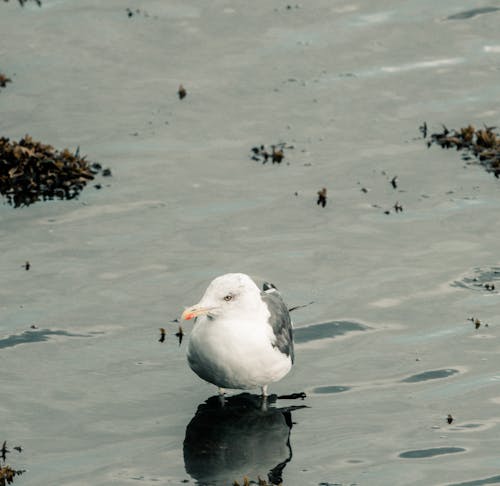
31	171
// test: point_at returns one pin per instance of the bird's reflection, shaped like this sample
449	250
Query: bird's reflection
242	437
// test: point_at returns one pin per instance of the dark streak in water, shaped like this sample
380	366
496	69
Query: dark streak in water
331	389
430	375
479	482
325	330
437	451
472	13
34	337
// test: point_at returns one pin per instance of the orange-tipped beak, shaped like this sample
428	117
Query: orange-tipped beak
192	312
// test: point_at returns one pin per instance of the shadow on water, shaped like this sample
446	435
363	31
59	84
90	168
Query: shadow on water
430	375
34	336
423	453
243	437
325	330
479	482
468	14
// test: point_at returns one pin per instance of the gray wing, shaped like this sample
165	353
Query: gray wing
279	320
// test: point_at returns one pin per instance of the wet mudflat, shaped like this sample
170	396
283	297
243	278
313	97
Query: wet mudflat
387	351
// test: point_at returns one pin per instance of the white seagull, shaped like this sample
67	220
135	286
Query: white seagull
242	337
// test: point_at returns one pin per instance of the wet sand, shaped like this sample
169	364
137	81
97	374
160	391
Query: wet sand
386	351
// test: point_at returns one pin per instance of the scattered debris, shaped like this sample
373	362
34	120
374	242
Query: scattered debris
276	153
162	335
31	171
475	321
398	208
480	279
449	419
483	143
182	92
180	334
137	11
4	80
321	197
7	474
423	129
4	451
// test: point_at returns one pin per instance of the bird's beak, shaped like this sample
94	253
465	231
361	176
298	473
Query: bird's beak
195	311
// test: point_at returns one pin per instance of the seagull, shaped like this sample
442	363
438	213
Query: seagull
242	336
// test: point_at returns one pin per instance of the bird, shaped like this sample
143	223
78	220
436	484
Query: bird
242	336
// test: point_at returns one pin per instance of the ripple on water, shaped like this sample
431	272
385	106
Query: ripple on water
430	375
436	451
326	330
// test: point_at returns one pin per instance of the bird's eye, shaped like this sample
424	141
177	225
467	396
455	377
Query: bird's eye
228	297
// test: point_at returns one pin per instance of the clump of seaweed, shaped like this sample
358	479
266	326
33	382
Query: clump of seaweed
31	171
4	80
483	143
22	2
276	153
7	474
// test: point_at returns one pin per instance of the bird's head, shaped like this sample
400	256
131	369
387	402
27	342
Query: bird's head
230	294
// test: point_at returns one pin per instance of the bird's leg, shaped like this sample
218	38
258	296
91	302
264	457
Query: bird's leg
264	398
221	396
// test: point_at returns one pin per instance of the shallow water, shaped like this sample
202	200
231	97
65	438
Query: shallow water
386	351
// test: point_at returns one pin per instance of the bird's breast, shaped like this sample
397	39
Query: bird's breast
235	355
